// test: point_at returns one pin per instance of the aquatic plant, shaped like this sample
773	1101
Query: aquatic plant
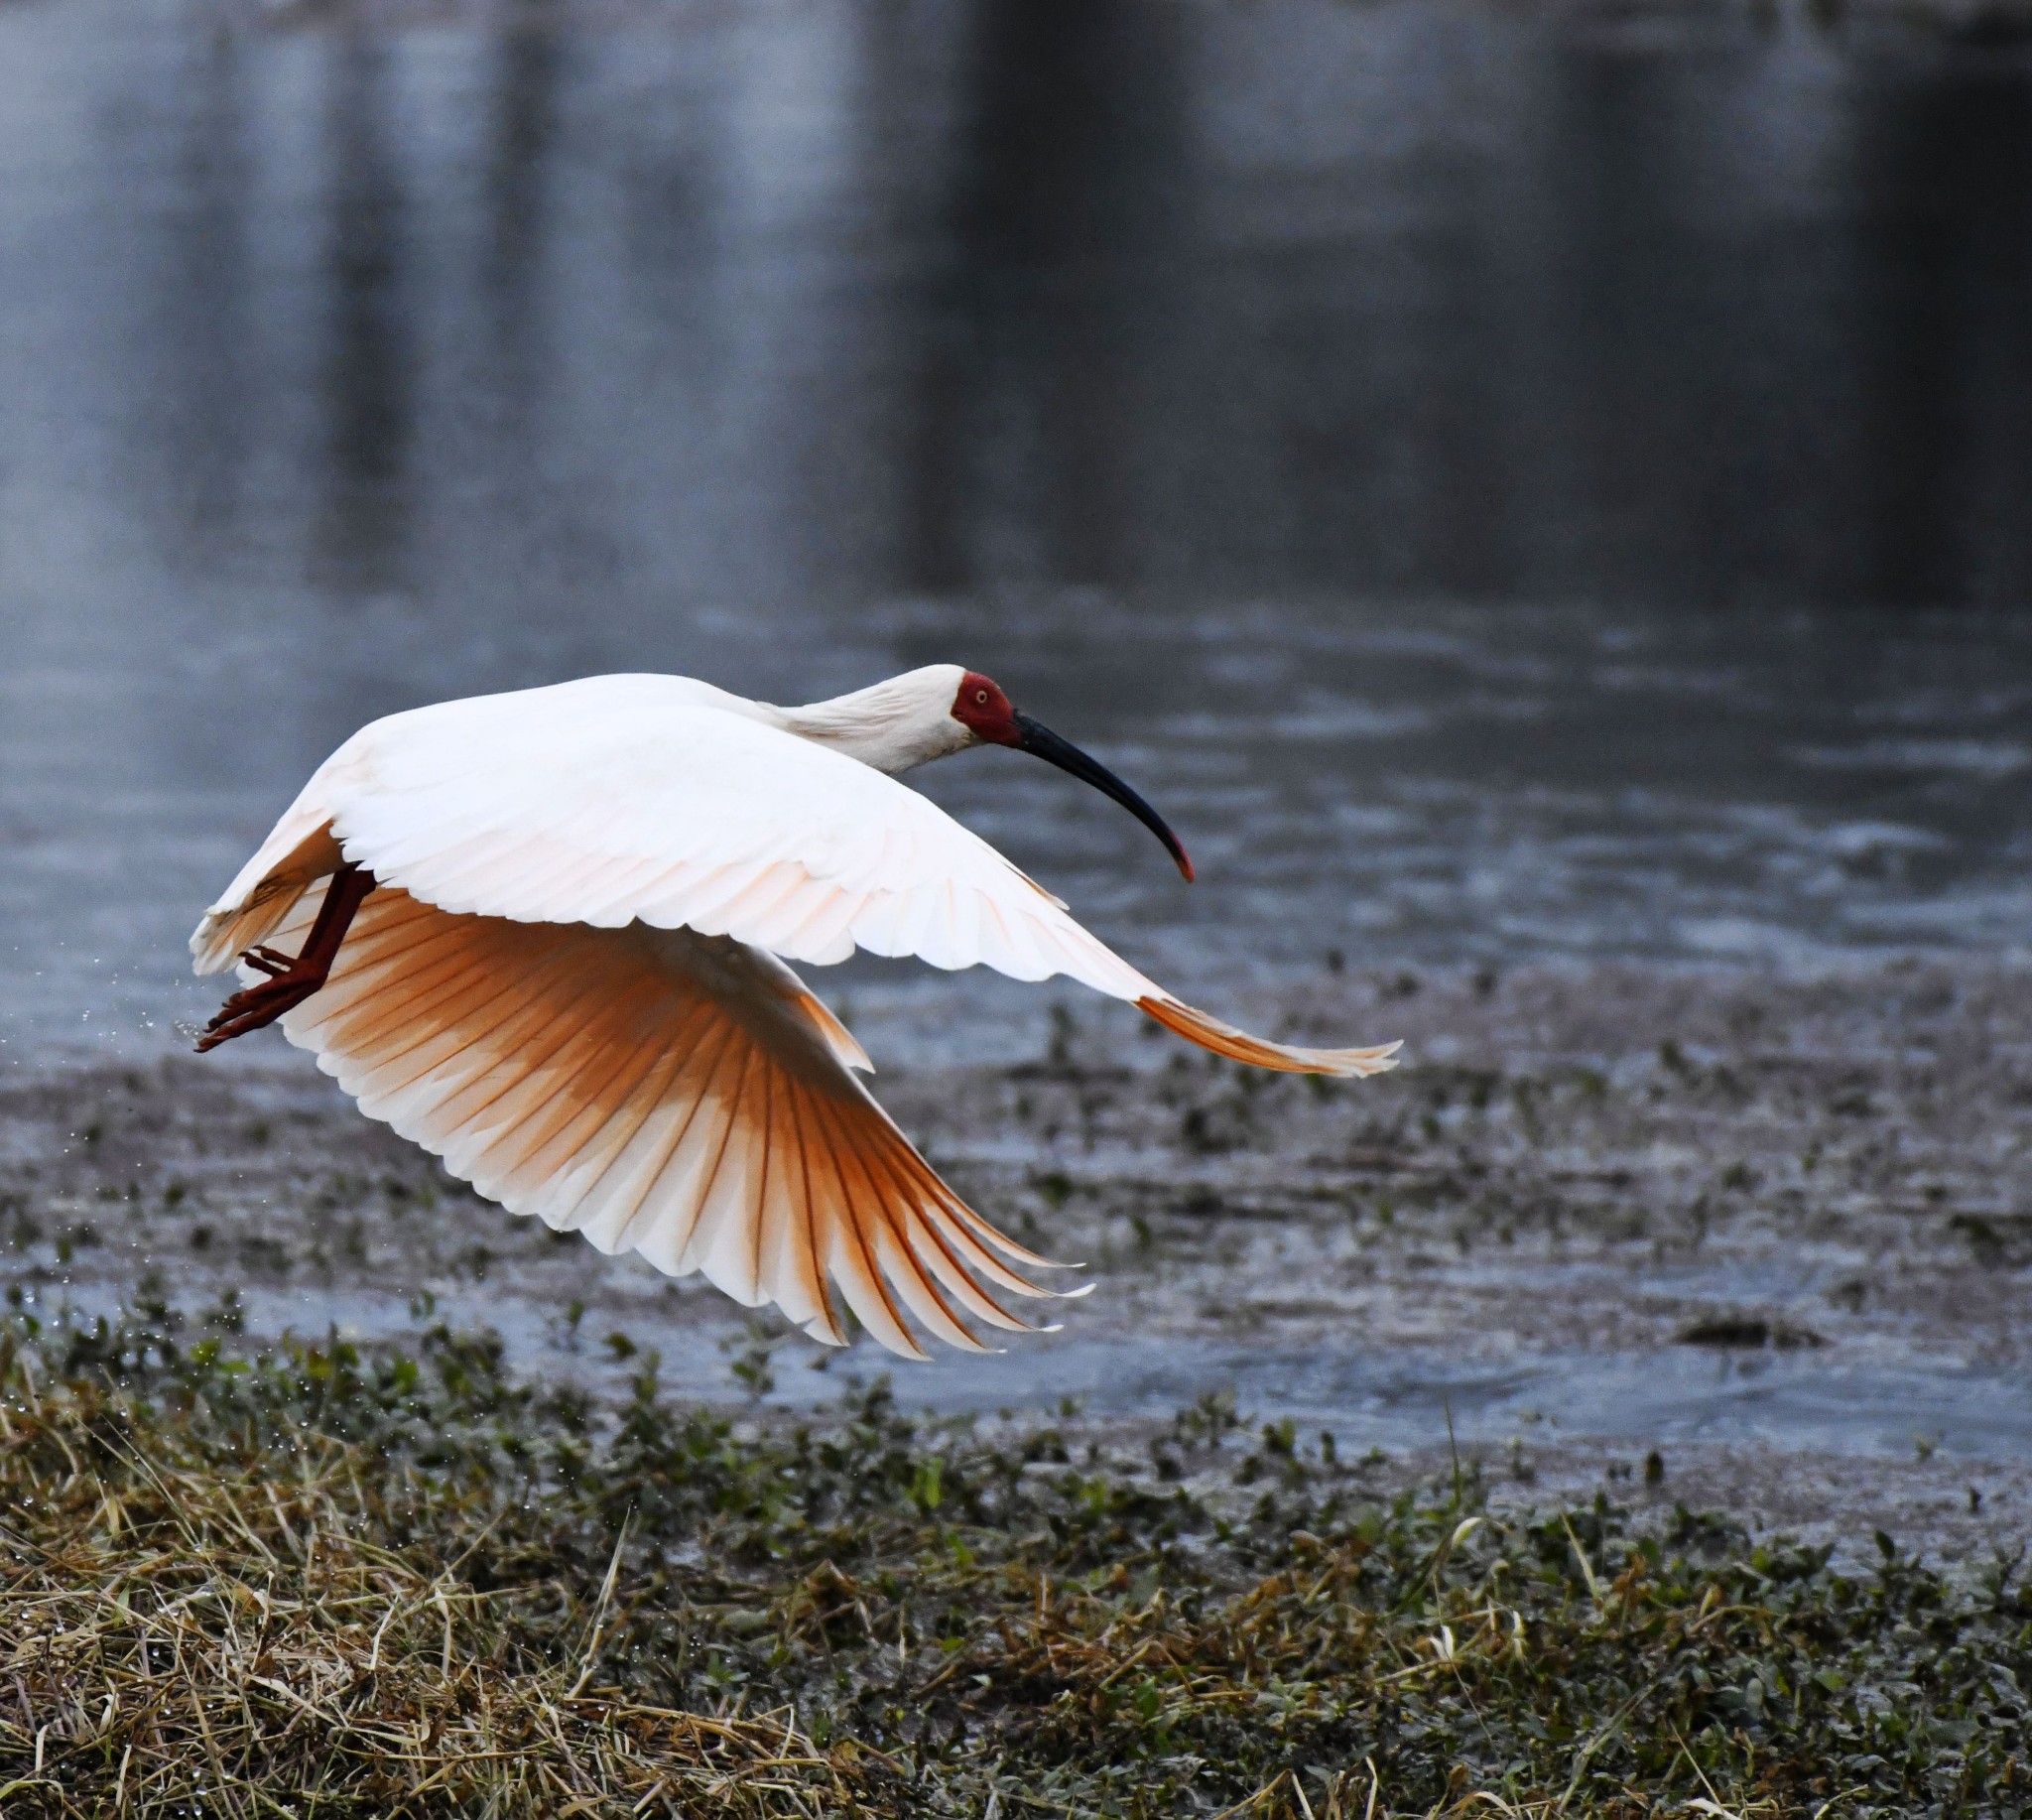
314	1579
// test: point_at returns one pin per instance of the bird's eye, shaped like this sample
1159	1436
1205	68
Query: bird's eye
981	696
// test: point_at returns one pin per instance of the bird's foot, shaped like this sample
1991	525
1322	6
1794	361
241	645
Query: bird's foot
292	979
256	1007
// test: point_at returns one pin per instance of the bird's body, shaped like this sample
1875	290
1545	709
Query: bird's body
545	935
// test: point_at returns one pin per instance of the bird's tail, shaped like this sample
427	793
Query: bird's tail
1240	1046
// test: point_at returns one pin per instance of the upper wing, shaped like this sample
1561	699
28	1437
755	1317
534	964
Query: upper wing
658	800
623	799
661	1092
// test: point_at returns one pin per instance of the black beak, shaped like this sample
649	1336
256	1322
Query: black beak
1041	742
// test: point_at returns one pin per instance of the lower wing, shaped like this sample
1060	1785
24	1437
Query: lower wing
665	1093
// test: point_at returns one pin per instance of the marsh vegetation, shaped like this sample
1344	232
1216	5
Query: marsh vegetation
315	1580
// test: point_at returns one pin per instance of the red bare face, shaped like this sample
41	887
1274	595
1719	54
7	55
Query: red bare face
985	711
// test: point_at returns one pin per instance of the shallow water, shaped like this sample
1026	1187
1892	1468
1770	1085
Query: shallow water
1399	1399
1476	470
1403	1401
1713	1213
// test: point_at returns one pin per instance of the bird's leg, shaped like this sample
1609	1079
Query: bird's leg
292	979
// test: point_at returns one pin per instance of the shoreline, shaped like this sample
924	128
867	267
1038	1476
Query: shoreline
1773	1187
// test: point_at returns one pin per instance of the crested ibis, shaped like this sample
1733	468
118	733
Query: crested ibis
547	935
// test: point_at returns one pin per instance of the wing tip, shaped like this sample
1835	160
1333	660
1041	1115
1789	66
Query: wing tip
1196	1026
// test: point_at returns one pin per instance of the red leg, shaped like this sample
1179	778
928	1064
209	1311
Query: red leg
292	979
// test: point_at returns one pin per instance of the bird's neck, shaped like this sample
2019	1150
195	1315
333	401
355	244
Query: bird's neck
891	726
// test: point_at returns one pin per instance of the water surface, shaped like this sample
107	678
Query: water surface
1508	487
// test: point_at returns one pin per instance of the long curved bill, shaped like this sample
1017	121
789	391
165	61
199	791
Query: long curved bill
1041	742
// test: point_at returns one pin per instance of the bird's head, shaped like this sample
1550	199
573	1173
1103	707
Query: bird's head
991	718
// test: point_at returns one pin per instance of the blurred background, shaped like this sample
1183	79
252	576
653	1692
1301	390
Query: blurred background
1511	481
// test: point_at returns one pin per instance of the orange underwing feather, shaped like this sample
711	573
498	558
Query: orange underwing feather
677	1095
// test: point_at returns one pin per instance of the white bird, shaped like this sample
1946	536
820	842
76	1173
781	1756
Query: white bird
543	934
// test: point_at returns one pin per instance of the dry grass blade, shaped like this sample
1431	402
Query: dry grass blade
191	1672
320	1583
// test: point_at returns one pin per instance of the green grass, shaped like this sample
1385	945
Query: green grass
319	1582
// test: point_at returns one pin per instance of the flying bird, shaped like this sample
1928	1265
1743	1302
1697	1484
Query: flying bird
547	936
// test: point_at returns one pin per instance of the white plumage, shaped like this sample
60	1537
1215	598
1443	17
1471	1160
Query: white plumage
567	978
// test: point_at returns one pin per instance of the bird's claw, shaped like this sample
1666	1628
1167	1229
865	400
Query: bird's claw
292	979
256	1007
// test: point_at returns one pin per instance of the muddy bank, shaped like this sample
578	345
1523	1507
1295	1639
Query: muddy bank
1775	1231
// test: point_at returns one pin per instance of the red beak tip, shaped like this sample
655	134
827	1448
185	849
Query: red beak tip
1186	868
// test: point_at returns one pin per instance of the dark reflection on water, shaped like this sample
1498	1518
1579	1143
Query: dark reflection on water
367	389
1480	471
1063	278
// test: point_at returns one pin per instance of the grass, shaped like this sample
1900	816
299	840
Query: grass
312	1580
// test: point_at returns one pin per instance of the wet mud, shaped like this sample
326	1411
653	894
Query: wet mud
1717	1238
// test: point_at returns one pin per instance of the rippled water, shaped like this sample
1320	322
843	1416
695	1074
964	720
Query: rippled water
1505	487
